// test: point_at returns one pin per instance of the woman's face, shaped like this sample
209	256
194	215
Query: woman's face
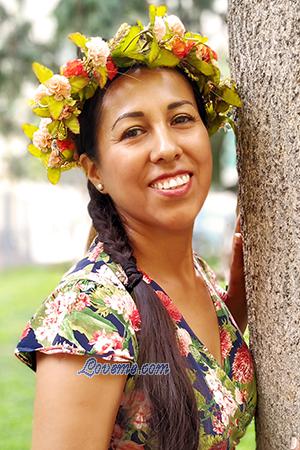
154	150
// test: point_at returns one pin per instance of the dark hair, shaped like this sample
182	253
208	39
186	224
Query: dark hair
174	421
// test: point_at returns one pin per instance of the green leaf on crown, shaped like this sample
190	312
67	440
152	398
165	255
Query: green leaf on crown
215	124
129	43
159	11
102	74
196	37
79	39
29	129
34	150
203	67
55	107
78	83
165	58
73	124
42	112
41	72
53	127
61	131
53	175
230	96
154	51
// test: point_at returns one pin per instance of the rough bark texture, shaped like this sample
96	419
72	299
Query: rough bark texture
264	41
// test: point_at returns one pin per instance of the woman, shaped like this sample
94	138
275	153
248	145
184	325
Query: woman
140	294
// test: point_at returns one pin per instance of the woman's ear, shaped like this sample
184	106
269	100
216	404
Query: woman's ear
91	169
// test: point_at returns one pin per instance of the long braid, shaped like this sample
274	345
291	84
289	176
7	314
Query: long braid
174	418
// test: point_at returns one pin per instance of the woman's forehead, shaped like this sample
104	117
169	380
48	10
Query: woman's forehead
143	87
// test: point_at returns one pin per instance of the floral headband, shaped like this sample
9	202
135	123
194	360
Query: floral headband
164	42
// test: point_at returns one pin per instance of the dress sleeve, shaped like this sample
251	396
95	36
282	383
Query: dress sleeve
93	315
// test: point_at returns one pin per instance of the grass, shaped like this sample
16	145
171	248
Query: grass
21	292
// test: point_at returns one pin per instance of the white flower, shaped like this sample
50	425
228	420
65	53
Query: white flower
98	51
41	92
159	28
59	86
175	25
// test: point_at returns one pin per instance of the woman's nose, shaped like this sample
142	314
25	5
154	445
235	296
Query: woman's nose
164	147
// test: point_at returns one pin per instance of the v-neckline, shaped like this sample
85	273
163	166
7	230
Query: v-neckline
202	273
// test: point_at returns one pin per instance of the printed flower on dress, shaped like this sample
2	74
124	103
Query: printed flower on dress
226	342
104	342
97	250
222	396
184	341
169	305
243	369
221	446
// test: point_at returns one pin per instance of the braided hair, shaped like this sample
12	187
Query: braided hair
174	421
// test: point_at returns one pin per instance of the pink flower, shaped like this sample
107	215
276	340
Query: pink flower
175	25
98	51
97	250
184	341
243	369
41	92
135	319
82	301
59	86
226	342
104	343
42	139
55	159
170	307
159	28
218	426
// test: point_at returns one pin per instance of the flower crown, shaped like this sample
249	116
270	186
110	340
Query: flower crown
164	42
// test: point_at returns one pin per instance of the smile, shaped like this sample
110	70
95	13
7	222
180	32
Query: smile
171	183
173	187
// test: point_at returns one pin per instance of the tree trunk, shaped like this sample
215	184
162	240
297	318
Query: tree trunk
264	43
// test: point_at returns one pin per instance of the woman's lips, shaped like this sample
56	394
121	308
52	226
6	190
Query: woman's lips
178	191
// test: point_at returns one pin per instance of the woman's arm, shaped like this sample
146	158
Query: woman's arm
73	411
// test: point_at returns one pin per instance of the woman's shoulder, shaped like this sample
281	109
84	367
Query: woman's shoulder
88	312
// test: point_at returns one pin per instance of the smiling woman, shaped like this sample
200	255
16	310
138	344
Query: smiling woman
140	294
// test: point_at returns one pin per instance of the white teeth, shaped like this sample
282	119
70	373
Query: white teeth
172	183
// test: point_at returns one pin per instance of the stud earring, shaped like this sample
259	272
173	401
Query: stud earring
100	187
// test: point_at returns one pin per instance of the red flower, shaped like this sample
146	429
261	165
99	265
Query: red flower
66	144
74	68
226	342
169	305
243	369
111	68
180	48
135	320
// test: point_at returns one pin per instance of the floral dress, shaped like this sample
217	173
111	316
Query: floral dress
90	312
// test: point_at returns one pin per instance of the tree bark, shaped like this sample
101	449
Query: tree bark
264	42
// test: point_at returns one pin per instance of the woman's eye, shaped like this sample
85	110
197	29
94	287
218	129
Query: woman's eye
183	119
132	132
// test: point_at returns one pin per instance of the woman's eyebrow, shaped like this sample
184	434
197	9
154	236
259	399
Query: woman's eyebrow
141	114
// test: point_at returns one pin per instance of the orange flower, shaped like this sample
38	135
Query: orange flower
180	48
205	53
74	68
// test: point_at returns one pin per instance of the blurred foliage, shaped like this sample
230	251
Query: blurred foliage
91	17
